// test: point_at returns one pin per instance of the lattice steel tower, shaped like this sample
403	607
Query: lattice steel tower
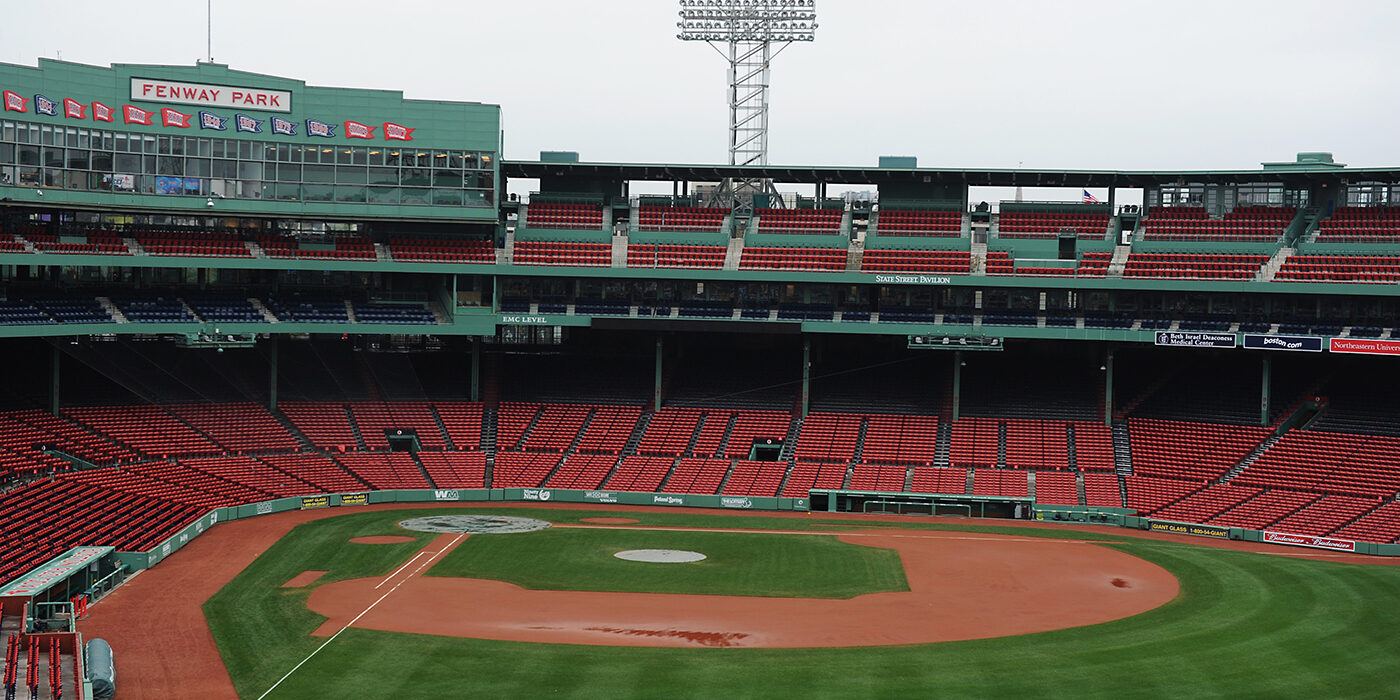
749	28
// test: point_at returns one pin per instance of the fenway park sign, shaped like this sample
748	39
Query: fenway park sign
204	95
1332	543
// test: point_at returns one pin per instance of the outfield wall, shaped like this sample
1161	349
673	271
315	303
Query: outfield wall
1120	517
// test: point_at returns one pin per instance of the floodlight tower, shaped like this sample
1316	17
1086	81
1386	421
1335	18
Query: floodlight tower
749	28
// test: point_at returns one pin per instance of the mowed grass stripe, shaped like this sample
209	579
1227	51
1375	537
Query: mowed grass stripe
1245	626
796	566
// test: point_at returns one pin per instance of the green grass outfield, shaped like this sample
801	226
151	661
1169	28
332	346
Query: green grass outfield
1245	625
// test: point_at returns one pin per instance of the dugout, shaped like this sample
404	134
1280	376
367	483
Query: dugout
54	589
968	506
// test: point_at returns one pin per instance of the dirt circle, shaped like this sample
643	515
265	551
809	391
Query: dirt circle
381	539
660	556
609	521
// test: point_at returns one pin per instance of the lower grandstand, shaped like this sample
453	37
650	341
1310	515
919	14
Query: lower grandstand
148	436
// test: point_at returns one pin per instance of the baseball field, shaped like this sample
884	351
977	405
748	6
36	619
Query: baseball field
302	605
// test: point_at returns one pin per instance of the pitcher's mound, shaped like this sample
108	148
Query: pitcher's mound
660	556
474	524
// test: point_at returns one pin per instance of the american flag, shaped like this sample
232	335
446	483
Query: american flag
1089	198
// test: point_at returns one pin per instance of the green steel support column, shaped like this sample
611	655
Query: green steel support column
272	374
476	368
1108	388
806	373
55	357
1264	393
656	380
957	382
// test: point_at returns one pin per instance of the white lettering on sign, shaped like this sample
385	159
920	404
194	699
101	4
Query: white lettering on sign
231	96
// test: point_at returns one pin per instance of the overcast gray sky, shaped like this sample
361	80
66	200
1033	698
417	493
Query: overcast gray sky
1117	85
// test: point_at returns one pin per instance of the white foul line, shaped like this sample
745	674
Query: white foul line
426	562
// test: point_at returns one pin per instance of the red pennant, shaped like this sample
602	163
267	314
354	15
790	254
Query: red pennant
356	130
101	112
170	117
15	103
73	108
136	115
397	132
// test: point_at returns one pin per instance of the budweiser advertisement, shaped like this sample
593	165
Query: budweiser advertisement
1365	346
1333	543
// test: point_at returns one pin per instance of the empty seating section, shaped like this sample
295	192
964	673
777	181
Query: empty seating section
828	437
147	429
1027	224
755	428
582	471
193	243
377	421
1093	264
326	425
20	450
316	470
1056	488
225	309
938	480
1325	515
219	491
1093	446
393	470
975	442
1188	450
562	253
898	222
253	474
563	215
154	309
244	427
1361	225
697	475
1380	525
670	431
999	262
806	476
675	255
999	482
455	470
892	439
707	219
1248	223
799	221
557	427
1208	502
879	477
1194	265
462	420
1102	490
1336	463
1375	269
639	473
522	469
607	433
755	478
1265	509
1034	444
298	308
442	250
93	242
953	262
73	438
811	259
374	312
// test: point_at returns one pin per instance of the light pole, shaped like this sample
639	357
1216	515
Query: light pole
748	29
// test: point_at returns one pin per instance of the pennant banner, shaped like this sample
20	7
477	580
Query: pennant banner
397	132
74	109
101	112
319	128
243	122
43	105
170	117
136	115
356	130
212	121
15	103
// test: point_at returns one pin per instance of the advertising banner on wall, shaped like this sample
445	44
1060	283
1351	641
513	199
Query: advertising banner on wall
1365	346
1194	339
1294	343
1332	543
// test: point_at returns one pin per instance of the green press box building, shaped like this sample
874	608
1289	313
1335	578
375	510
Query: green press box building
194	138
